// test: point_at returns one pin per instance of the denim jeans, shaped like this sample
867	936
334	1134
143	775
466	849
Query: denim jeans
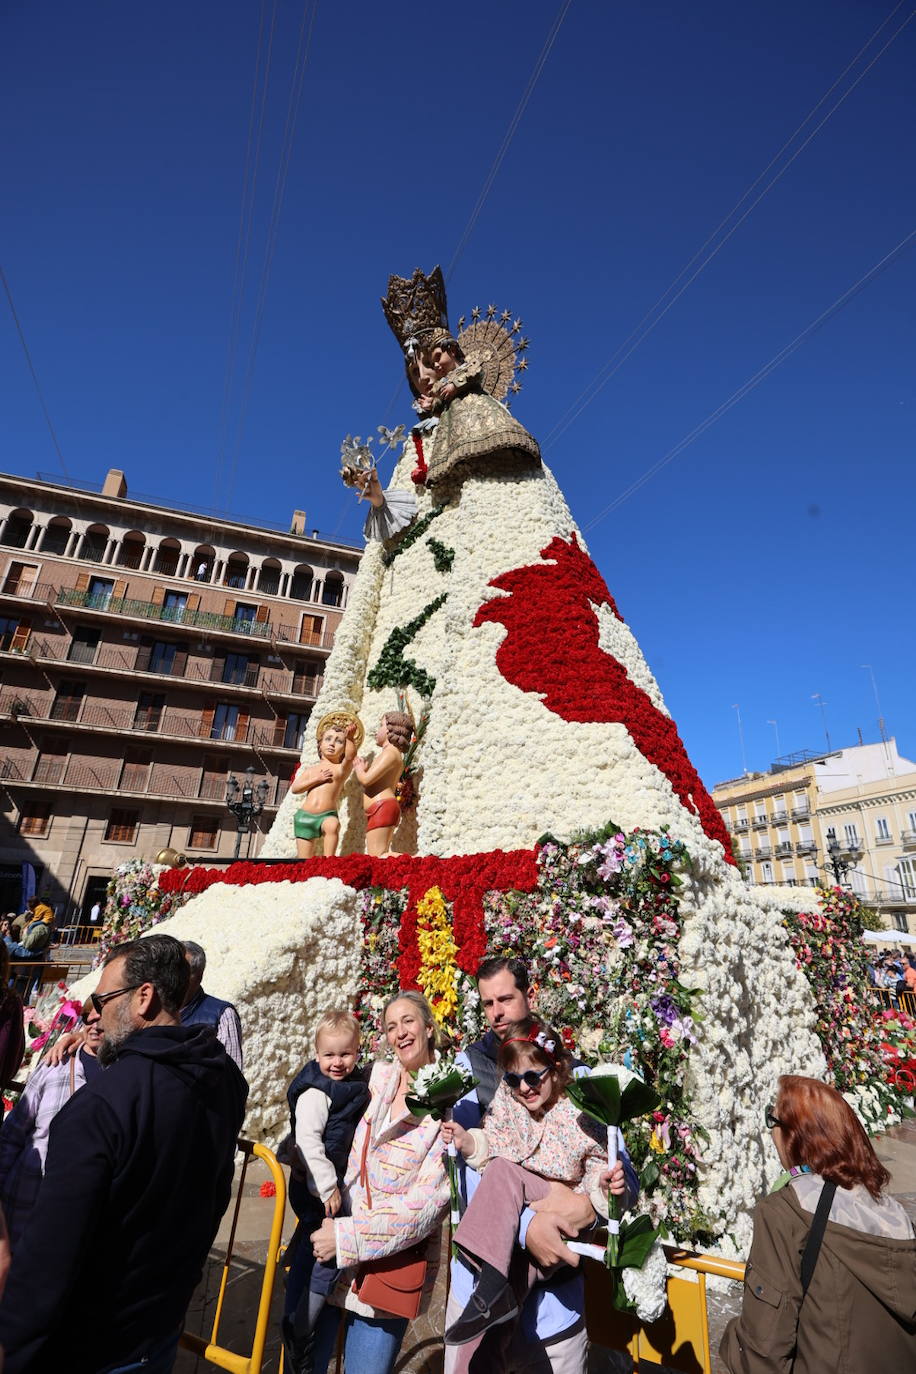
371	1344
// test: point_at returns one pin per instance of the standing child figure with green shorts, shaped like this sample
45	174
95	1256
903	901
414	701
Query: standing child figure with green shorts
339	736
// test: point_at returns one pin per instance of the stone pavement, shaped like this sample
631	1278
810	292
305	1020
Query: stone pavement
422	1351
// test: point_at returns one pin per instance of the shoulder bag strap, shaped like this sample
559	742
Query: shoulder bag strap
816	1235
363	1170
73	1073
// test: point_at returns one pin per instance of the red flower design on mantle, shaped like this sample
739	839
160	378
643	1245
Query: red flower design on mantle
552	648
462	878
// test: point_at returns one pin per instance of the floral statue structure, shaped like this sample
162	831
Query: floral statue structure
478	611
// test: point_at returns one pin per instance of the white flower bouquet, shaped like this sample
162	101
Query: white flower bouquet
435	1090
611	1094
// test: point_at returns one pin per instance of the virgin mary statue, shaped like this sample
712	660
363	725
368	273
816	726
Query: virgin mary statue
477	609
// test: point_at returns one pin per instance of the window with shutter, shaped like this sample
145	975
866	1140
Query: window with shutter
122	826
68	700
203	832
35	818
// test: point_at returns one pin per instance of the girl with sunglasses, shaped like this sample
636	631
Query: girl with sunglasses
532	1140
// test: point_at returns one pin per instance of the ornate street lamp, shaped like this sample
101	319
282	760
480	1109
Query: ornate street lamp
842	860
245	803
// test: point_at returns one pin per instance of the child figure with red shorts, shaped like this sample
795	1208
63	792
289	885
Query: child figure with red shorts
379	779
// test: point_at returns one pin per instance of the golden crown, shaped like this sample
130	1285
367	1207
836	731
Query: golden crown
416	309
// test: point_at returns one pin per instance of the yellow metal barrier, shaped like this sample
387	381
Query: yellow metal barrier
209	1350
680	1338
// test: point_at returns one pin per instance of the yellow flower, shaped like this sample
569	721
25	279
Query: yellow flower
438	976
655	1144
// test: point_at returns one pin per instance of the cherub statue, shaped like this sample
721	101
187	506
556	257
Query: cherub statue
339	735
379	779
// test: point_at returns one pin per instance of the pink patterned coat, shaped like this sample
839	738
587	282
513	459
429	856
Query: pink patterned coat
408	1187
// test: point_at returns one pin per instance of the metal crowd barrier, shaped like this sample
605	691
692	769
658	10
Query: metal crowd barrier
211	1350
680	1338
906	1001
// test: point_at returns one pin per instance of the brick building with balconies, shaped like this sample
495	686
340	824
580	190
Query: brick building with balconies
146	654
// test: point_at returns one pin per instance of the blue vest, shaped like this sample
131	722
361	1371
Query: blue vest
349	1100
203	1010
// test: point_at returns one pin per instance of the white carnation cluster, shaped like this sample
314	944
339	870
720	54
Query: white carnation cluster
759	1023
481	786
282	953
646	1288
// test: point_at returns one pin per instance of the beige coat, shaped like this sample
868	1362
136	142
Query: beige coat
859	1315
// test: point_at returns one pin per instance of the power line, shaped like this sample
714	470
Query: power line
246	212
28	358
494	169
776	361
303	49
660	309
509	135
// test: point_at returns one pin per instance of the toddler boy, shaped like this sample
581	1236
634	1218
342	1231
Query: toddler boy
326	1100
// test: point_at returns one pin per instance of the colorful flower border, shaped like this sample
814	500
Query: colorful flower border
599	920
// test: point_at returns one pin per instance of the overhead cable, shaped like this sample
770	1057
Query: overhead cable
303	49
776	361
246	212
661	307
31	365
509	135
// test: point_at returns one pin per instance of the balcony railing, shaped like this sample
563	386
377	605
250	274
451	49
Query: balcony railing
806	847
107	775
281	682
741	823
800	813
908	839
148	720
783	849
49	770
763	852
235	677
36	591
760	822
171	615
779	816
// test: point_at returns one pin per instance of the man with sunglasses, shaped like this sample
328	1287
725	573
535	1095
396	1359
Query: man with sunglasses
138	1175
551	1336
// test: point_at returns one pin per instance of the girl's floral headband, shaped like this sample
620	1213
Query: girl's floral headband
536	1036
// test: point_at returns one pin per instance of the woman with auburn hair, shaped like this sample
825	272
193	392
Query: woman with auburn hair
831	1279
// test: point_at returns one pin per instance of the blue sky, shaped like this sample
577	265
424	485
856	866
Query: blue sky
764	564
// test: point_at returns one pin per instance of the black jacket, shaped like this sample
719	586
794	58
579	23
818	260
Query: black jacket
138	1175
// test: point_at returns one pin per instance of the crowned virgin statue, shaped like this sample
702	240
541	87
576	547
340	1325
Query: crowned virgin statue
477	612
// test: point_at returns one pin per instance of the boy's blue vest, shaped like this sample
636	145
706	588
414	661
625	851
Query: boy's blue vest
349	1100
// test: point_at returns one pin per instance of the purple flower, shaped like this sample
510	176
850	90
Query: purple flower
622	933
665	1010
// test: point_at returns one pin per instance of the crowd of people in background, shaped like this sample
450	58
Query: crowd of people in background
116	1167
894	970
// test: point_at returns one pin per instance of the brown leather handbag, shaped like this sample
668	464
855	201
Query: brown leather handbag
395	1283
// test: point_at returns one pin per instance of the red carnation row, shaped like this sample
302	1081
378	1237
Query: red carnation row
463	880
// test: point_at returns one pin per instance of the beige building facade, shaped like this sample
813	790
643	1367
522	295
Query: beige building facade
146	655
855	806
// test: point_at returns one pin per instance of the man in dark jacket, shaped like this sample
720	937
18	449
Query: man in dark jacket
138	1175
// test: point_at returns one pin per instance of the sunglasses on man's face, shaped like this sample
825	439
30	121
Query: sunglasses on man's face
98	1000
531	1078
771	1118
